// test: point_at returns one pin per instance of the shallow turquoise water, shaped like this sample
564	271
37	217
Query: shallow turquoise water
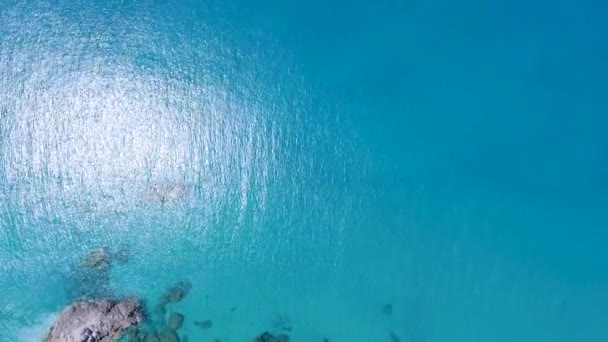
447	158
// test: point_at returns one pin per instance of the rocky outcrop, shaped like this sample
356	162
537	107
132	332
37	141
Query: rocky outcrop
96	321
158	329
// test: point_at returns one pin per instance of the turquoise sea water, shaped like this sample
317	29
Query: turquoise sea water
447	158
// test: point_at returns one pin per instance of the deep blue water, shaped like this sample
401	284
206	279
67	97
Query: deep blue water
449	158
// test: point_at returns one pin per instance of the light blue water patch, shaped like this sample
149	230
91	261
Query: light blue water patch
307	164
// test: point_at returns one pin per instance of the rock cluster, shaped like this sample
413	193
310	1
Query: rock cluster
164	330
95	317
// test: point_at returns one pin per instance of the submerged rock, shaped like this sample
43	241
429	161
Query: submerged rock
160	310
151	338
122	256
268	337
387	309
176	293
166	192
176	320
93	321
90	278
101	259
281	322
98	259
281	338
204	324
168	335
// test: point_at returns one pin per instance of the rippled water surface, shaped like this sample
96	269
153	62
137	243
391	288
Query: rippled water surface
350	171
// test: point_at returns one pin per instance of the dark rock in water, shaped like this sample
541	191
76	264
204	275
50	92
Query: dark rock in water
105	320
387	309
98	260
233	308
204	324
184	338
282	323
264	337
394	337
90	278
168	335
176	320
177	292
122	256
163	300
268	337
